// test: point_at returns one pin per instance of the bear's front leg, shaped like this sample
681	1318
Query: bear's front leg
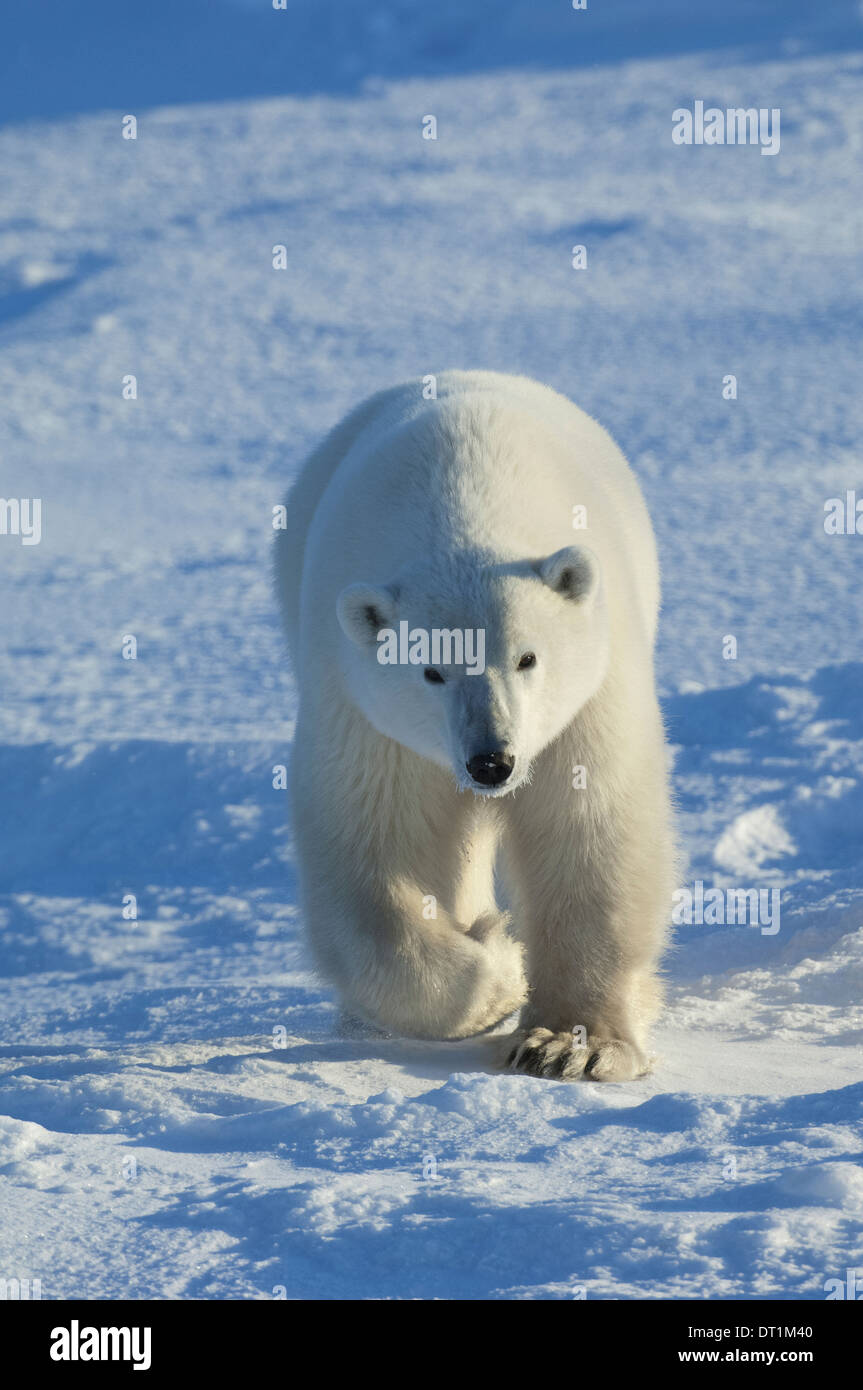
380	851
592	873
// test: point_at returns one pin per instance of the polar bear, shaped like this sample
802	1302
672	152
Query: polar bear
474	838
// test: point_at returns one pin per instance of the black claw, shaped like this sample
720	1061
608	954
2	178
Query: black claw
591	1063
526	1059
555	1069
532	1061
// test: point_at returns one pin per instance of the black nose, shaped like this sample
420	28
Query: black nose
490	769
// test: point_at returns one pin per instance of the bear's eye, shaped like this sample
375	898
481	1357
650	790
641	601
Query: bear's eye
526	662
432	676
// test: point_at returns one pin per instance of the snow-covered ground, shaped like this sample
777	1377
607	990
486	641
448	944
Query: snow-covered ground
180	1115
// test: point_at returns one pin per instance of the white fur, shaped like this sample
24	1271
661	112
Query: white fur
457	513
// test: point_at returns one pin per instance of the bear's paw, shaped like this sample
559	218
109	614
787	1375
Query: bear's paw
558	1057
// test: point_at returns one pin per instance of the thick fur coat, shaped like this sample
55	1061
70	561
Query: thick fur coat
475	841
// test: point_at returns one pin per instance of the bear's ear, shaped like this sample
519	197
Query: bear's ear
572	572
363	609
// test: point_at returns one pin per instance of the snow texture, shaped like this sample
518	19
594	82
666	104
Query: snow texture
182	1114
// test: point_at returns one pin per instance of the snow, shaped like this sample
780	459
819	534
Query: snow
182	1115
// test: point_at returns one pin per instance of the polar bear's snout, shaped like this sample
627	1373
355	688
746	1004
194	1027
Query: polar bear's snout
483	733
490	769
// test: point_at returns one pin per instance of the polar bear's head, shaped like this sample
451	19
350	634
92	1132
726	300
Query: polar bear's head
479	669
